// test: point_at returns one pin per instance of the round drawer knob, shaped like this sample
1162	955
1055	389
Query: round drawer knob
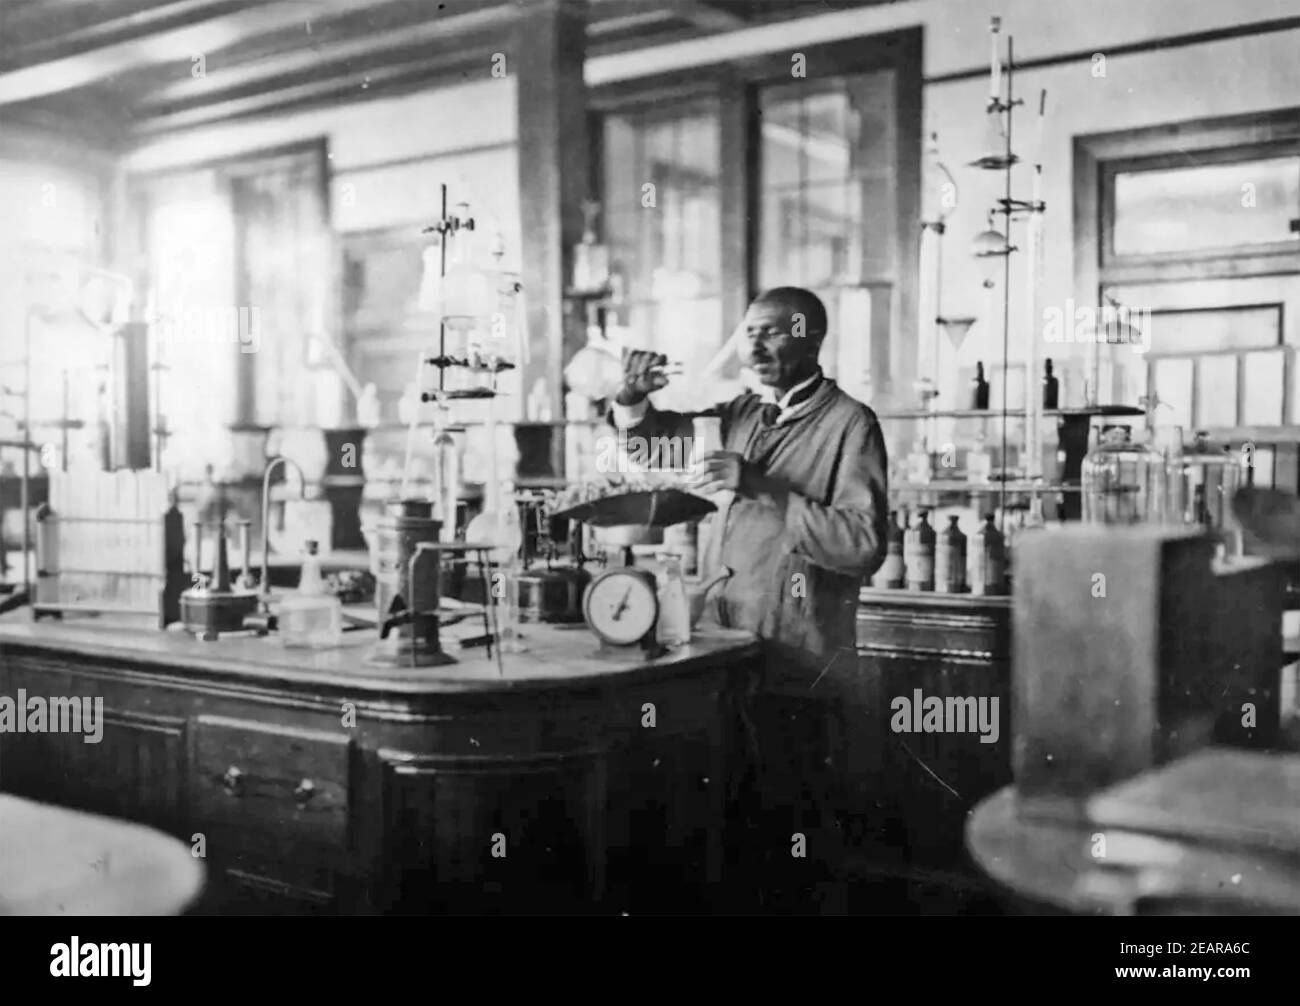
304	791
233	782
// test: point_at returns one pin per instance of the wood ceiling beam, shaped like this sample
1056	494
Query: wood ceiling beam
389	78
173	44
326	59
710	17
59	32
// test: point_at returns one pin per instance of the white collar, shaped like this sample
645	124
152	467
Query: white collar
784	402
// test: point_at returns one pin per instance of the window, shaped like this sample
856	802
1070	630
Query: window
819	182
661	218
1195	226
759	179
1194	209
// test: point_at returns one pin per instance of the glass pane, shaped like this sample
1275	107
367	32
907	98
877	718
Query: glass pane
811	226
1261	398
665	243
826	137
1183	332
781	251
1207	206
1216	391
1173	387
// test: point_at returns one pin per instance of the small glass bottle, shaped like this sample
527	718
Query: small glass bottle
986	569
919	468
891	571
312	616
1051	387
979	388
674	625
918	553
950	559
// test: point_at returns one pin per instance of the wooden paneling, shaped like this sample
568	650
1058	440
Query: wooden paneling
955	647
499	836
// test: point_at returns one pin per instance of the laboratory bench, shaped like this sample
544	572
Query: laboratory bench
562	780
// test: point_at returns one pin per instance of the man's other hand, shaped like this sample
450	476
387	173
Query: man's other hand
643	373
717	471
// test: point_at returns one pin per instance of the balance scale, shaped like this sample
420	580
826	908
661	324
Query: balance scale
621	605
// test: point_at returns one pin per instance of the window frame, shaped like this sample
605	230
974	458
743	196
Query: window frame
734	84
1111	169
1099	157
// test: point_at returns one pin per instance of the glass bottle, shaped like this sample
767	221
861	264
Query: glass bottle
891	571
674	625
919	468
312	616
590	258
1121	480
950	559
918	553
1210	480
1051	387
986	569
979	389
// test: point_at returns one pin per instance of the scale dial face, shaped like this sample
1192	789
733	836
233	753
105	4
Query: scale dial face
621	606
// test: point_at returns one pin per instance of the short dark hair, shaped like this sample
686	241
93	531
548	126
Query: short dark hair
801	301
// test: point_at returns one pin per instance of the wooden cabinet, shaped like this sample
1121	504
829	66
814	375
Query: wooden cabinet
320	785
271	802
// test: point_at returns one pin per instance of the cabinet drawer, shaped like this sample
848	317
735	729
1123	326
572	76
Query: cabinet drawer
274	788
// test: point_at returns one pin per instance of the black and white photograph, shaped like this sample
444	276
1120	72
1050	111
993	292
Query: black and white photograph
682	459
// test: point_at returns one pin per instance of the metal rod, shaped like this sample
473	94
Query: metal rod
442	275
63	460
1006	279
24	488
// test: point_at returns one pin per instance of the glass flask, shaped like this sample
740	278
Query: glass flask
446	455
312	616
1123	481
674	625
1209	480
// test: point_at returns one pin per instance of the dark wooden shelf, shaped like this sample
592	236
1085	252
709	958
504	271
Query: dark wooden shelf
1093	410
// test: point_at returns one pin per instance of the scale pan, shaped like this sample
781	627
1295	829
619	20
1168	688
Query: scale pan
655	508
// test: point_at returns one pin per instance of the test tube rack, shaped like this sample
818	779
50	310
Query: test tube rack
110	543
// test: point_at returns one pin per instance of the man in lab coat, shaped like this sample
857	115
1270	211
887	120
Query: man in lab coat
802	514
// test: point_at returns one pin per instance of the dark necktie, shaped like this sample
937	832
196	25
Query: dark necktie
772	411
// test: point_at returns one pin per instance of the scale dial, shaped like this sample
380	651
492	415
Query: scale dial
621	606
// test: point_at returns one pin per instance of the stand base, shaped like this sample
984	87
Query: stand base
407	655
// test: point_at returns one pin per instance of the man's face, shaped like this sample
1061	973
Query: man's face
778	345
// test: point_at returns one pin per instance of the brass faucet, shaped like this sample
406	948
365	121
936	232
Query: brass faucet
266	522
